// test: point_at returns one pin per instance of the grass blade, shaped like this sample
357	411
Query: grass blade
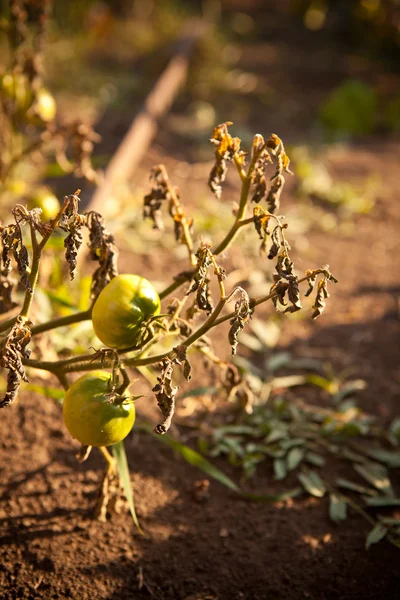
119	454
194	458
293	493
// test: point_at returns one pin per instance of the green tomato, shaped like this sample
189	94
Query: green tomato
44	108
121	308
45	199
16	86
88	415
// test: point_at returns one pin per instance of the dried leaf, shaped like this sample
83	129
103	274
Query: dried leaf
165	393
13	351
102	249
226	148
243	313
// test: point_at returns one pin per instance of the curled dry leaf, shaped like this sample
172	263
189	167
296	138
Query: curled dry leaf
226	147
200	283
165	393
13	351
319	303
12	245
72	222
159	193
102	249
243	313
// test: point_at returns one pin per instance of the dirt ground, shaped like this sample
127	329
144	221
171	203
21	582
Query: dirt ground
223	548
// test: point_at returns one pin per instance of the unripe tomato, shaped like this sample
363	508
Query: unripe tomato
44	108
17	87
90	417
45	199
121	308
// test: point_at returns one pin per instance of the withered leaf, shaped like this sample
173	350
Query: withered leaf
165	393
226	148
13	351
102	249
243	313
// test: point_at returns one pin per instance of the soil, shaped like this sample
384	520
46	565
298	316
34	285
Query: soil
220	547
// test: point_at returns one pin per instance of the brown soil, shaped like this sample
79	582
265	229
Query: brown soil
222	548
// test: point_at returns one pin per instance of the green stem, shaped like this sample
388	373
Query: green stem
241	213
174	286
85	362
62	321
226	242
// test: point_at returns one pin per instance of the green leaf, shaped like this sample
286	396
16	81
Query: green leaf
315	459
394	431
44	390
354	487
195	459
348	389
272	497
312	483
391	459
381	501
280	468
295	380
376	475
337	508
61	299
119	454
277	361
350	109
294	458
375	535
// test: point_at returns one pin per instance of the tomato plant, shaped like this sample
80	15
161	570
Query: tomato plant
94	414
121	308
125	309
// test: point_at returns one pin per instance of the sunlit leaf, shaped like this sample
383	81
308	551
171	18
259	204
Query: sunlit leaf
119	454
268	332
337	508
376	535
312	483
251	342
354	487
44	390
62	299
348	389
376	475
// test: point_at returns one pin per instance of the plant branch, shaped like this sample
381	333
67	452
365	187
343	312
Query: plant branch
85	362
63	321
